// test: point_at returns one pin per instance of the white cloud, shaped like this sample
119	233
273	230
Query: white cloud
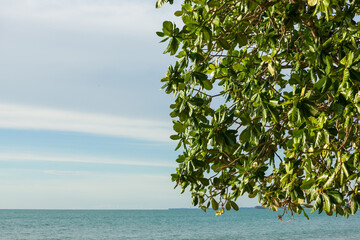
80	159
127	16
35	118
94	55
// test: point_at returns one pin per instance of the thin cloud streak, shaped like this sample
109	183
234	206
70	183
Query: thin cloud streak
79	159
66	173
35	118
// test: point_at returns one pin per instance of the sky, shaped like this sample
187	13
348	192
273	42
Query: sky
83	122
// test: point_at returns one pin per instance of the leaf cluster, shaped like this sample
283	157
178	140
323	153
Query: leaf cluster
267	102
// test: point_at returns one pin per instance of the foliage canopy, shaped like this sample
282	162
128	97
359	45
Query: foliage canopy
267	102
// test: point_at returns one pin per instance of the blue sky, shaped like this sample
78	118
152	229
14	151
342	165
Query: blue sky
83	122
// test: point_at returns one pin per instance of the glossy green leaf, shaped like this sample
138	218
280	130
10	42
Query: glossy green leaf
167	28
234	206
335	196
214	204
307	184
312	2
327	203
228	206
354	206
207	84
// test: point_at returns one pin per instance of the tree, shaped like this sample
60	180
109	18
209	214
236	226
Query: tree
267	102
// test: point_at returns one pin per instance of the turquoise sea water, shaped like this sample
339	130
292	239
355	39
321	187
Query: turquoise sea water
170	224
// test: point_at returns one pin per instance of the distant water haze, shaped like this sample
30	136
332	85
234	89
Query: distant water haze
250	224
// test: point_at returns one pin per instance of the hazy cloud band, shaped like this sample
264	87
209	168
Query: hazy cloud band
35	118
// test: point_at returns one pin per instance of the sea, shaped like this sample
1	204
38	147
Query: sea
171	224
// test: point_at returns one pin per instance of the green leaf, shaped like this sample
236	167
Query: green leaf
160	34
317	204
203	208
307	184
234	206
216	21
178	127
271	69
310	108
160	3
223	43
214	204
346	76
177	146
274	113
350	59
178	13
266	58
335	196
199	1
175	137
305	214
308	205
245	134
326	3
320	84
207	84
354	205
241	39
327	203
340	105
312	2
354	75
228	206
344	170
168	28
343	60
330	181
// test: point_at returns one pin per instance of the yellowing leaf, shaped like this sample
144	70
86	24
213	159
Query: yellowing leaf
312	2
220	212
266	58
271	69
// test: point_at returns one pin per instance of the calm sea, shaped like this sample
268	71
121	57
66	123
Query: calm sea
170	224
